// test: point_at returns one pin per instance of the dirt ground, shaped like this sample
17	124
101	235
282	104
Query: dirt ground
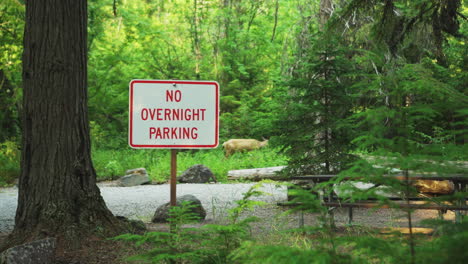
273	219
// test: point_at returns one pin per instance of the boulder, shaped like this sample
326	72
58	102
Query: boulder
39	251
162	213
141	171
197	174
134	177
345	189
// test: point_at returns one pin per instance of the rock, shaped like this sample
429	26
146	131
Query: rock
39	251
141	171
346	188
133	180
196	174
162	213
134	177
435	187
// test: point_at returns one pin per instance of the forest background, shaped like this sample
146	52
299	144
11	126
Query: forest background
358	87
312	76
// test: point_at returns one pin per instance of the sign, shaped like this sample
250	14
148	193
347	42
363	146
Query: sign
173	114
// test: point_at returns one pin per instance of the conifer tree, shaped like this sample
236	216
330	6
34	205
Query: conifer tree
313	129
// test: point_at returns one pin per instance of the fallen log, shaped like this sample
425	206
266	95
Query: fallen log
257	174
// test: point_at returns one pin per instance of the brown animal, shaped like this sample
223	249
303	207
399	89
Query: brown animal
234	145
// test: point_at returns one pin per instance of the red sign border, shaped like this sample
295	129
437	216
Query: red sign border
130	123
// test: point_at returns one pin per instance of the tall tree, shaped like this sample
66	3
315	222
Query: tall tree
313	128
58	195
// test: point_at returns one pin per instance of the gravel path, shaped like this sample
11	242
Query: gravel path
140	202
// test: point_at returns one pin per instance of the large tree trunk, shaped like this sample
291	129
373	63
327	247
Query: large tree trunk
58	195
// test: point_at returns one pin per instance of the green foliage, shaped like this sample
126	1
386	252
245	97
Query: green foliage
251	253
208	244
313	128
388	250
319	244
449	247
384	80
207	40
245	204
325	244
224	239
405	116
323	247
11	32
114	168
403	129
169	247
12	26
109	163
409	29
9	163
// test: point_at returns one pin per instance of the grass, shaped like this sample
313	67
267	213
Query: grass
9	163
111	164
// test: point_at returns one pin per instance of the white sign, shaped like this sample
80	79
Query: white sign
173	114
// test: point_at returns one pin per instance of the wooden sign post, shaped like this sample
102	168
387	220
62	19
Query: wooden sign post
173	181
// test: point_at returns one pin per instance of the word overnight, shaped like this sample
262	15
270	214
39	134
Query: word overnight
177	114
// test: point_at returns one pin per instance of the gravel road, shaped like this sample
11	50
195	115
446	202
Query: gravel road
140	202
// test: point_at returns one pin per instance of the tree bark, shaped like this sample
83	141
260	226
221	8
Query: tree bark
276	21
196	38
58	195
325	12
